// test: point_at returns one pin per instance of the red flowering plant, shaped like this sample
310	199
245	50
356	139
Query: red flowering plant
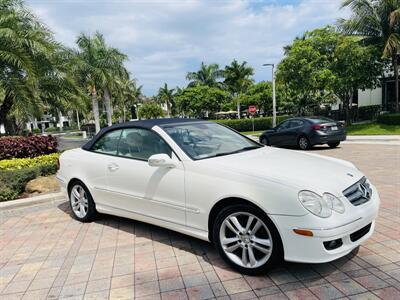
31	146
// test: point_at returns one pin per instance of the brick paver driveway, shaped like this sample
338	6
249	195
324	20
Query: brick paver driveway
45	253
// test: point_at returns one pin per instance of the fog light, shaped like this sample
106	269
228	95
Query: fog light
331	245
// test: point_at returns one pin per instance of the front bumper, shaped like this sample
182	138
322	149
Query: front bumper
304	249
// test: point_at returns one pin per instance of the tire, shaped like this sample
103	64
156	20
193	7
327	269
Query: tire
333	145
265	238
81	202
303	143
264	140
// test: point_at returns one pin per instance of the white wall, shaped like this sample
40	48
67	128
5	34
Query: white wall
370	97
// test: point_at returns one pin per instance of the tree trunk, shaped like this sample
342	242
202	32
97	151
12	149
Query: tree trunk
168	109
5	109
60	122
396	80
107	102
95	108
346	106
77	120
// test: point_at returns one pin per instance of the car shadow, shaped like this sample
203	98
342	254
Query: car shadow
208	256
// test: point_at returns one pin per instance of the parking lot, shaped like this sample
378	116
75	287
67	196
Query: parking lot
44	253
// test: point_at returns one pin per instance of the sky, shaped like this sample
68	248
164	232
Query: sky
165	39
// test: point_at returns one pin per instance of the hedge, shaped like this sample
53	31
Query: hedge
16	173
389	119
23	163
30	146
246	124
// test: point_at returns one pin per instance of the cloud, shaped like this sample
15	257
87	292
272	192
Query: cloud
166	39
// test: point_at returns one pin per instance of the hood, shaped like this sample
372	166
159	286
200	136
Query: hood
302	170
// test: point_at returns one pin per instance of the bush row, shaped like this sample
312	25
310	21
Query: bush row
246	124
30	146
23	163
16	173
389	119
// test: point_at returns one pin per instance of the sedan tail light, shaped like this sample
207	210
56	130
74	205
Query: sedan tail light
319	127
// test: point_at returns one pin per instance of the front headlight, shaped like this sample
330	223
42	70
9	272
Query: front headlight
321	206
334	203
315	204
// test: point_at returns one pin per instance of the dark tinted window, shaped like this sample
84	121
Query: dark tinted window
284	125
321	120
296	123
108	143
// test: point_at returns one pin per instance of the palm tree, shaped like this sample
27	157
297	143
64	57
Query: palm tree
25	57
166	95
207	75
238	77
129	93
97	65
377	23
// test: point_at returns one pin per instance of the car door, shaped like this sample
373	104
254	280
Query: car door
135	186
279	136
293	132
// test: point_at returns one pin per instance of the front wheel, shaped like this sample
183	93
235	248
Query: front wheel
246	239
81	202
333	145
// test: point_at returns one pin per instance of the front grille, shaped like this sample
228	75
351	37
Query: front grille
355	236
358	193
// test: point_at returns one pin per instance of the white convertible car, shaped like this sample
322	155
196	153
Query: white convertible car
257	204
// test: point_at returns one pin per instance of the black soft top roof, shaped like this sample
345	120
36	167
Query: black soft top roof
147	124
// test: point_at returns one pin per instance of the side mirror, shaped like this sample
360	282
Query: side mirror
161	160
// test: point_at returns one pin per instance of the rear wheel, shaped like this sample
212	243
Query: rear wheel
333	145
246	239
81	202
264	140
303	143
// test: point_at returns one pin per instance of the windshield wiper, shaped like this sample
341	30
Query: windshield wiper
237	151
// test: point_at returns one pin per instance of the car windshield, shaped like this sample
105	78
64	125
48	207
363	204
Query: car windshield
204	140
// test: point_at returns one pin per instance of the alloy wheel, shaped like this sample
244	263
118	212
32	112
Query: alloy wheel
246	240
79	201
303	143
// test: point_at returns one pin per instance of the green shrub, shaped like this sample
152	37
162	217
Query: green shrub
43	161
12	183
246	124
389	119
17	172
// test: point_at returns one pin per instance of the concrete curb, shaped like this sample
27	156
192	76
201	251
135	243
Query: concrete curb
52	197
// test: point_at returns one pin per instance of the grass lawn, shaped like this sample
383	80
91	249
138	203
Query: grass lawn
373	129
358	129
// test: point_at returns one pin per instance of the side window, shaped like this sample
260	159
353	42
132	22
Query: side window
296	123
141	143
283	126
108	143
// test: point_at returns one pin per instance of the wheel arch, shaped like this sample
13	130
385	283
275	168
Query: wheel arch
222	203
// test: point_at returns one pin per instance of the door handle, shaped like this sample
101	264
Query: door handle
113	167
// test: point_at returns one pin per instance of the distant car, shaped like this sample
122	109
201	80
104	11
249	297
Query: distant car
256	204
305	133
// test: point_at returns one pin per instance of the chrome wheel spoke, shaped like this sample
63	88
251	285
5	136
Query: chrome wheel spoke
231	227
264	242
232	248
227	241
256	227
76	194
249	221
244	256
252	258
262	249
236	223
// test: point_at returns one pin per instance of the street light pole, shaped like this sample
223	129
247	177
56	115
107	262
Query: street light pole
273	95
